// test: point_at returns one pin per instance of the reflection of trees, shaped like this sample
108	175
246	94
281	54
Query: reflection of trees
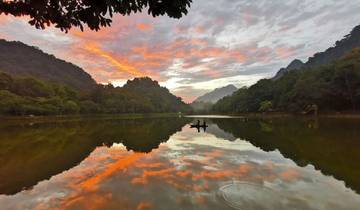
329	145
29	154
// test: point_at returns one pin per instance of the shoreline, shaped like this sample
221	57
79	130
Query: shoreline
289	115
80	117
67	118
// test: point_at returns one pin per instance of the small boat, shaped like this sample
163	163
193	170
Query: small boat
197	125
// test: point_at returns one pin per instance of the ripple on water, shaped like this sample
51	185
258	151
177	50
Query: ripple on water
245	195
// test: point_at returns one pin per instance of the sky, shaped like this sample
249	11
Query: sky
219	42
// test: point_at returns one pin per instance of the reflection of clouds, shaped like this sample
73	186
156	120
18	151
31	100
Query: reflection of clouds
184	173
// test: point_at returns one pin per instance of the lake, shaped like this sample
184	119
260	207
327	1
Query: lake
162	163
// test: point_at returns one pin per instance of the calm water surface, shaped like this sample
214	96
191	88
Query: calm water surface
161	163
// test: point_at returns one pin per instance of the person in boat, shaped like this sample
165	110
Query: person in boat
204	124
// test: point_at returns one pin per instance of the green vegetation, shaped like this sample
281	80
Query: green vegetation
29	96
265	106
333	87
20	60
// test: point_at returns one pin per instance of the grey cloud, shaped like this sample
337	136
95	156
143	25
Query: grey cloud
256	28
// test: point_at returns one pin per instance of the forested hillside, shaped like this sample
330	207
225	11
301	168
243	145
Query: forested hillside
19	59
29	96
329	81
340	49
332	87
138	95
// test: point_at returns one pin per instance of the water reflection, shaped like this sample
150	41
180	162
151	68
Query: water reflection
189	170
31	152
199	126
331	145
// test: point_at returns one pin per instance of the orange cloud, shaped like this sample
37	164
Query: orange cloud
144	205
120	164
121	65
244	169
144	27
144	178
200	30
183	173
200	200
290	174
284	52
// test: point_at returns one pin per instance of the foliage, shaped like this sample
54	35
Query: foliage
95	14
341	48
29	96
19	59
334	87
265	106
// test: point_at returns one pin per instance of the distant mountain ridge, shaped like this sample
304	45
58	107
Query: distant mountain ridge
314	88
217	94
294	65
19	59
341	48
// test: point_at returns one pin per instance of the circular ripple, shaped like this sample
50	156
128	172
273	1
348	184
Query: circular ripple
245	196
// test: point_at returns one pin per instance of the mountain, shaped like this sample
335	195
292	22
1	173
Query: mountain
334	87
35	83
340	49
327	82
19	59
31	96
294	65
217	94
159	97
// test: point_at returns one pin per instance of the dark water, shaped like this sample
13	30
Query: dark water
161	163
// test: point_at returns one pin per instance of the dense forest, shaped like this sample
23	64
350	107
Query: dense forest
329	81
30	96
33	82
36	83
19	59
332	87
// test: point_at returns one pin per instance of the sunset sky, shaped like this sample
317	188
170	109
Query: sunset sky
219	42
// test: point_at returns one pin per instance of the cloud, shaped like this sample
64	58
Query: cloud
119	64
237	43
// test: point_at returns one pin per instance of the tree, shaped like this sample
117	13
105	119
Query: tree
71	107
265	106
332	87
65	14
6	81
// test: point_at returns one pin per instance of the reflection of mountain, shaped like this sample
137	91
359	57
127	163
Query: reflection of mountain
29	154
330	145
219	133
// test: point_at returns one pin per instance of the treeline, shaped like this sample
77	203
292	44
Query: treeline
333	87
30	96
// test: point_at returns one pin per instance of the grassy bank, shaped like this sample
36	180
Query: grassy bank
66	118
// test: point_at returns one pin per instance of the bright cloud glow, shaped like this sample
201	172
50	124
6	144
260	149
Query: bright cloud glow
211	47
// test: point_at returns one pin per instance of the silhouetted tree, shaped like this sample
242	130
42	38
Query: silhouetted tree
65	14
